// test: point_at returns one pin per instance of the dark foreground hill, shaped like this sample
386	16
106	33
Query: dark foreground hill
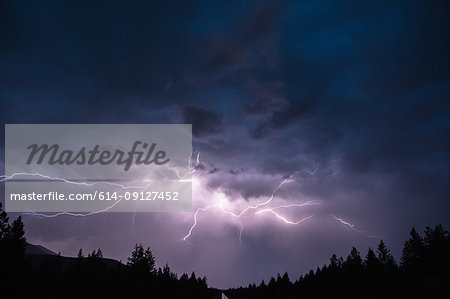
37	249
39	260
28	270
38	256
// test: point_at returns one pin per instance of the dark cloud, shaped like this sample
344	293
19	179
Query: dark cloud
294	112
200	166
269	98
227	55
214	170
204	122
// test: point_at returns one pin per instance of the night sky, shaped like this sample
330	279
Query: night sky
349	100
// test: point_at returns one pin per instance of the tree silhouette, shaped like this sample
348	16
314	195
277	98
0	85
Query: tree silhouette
142	260
413	253
385	257
12	253
373	269
371	262
335	263
437	246
5	229
12	240
4	224
17	240
354	261
95	255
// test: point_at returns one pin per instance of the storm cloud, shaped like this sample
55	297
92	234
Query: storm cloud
349	100
203	122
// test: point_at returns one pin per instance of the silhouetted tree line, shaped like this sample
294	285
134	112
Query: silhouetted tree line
12	251
90	276
423	272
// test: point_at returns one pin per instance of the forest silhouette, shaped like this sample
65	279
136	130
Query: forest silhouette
422	272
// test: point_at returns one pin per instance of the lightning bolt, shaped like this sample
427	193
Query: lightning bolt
314	171
195	221
190	170
352	227
284	219
254	207
10	177
281	217
7	178
270	198
4	178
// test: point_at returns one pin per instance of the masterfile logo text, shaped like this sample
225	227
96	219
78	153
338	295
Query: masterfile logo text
90	168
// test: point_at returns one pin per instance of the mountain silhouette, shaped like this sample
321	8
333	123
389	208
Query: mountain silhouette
32	249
